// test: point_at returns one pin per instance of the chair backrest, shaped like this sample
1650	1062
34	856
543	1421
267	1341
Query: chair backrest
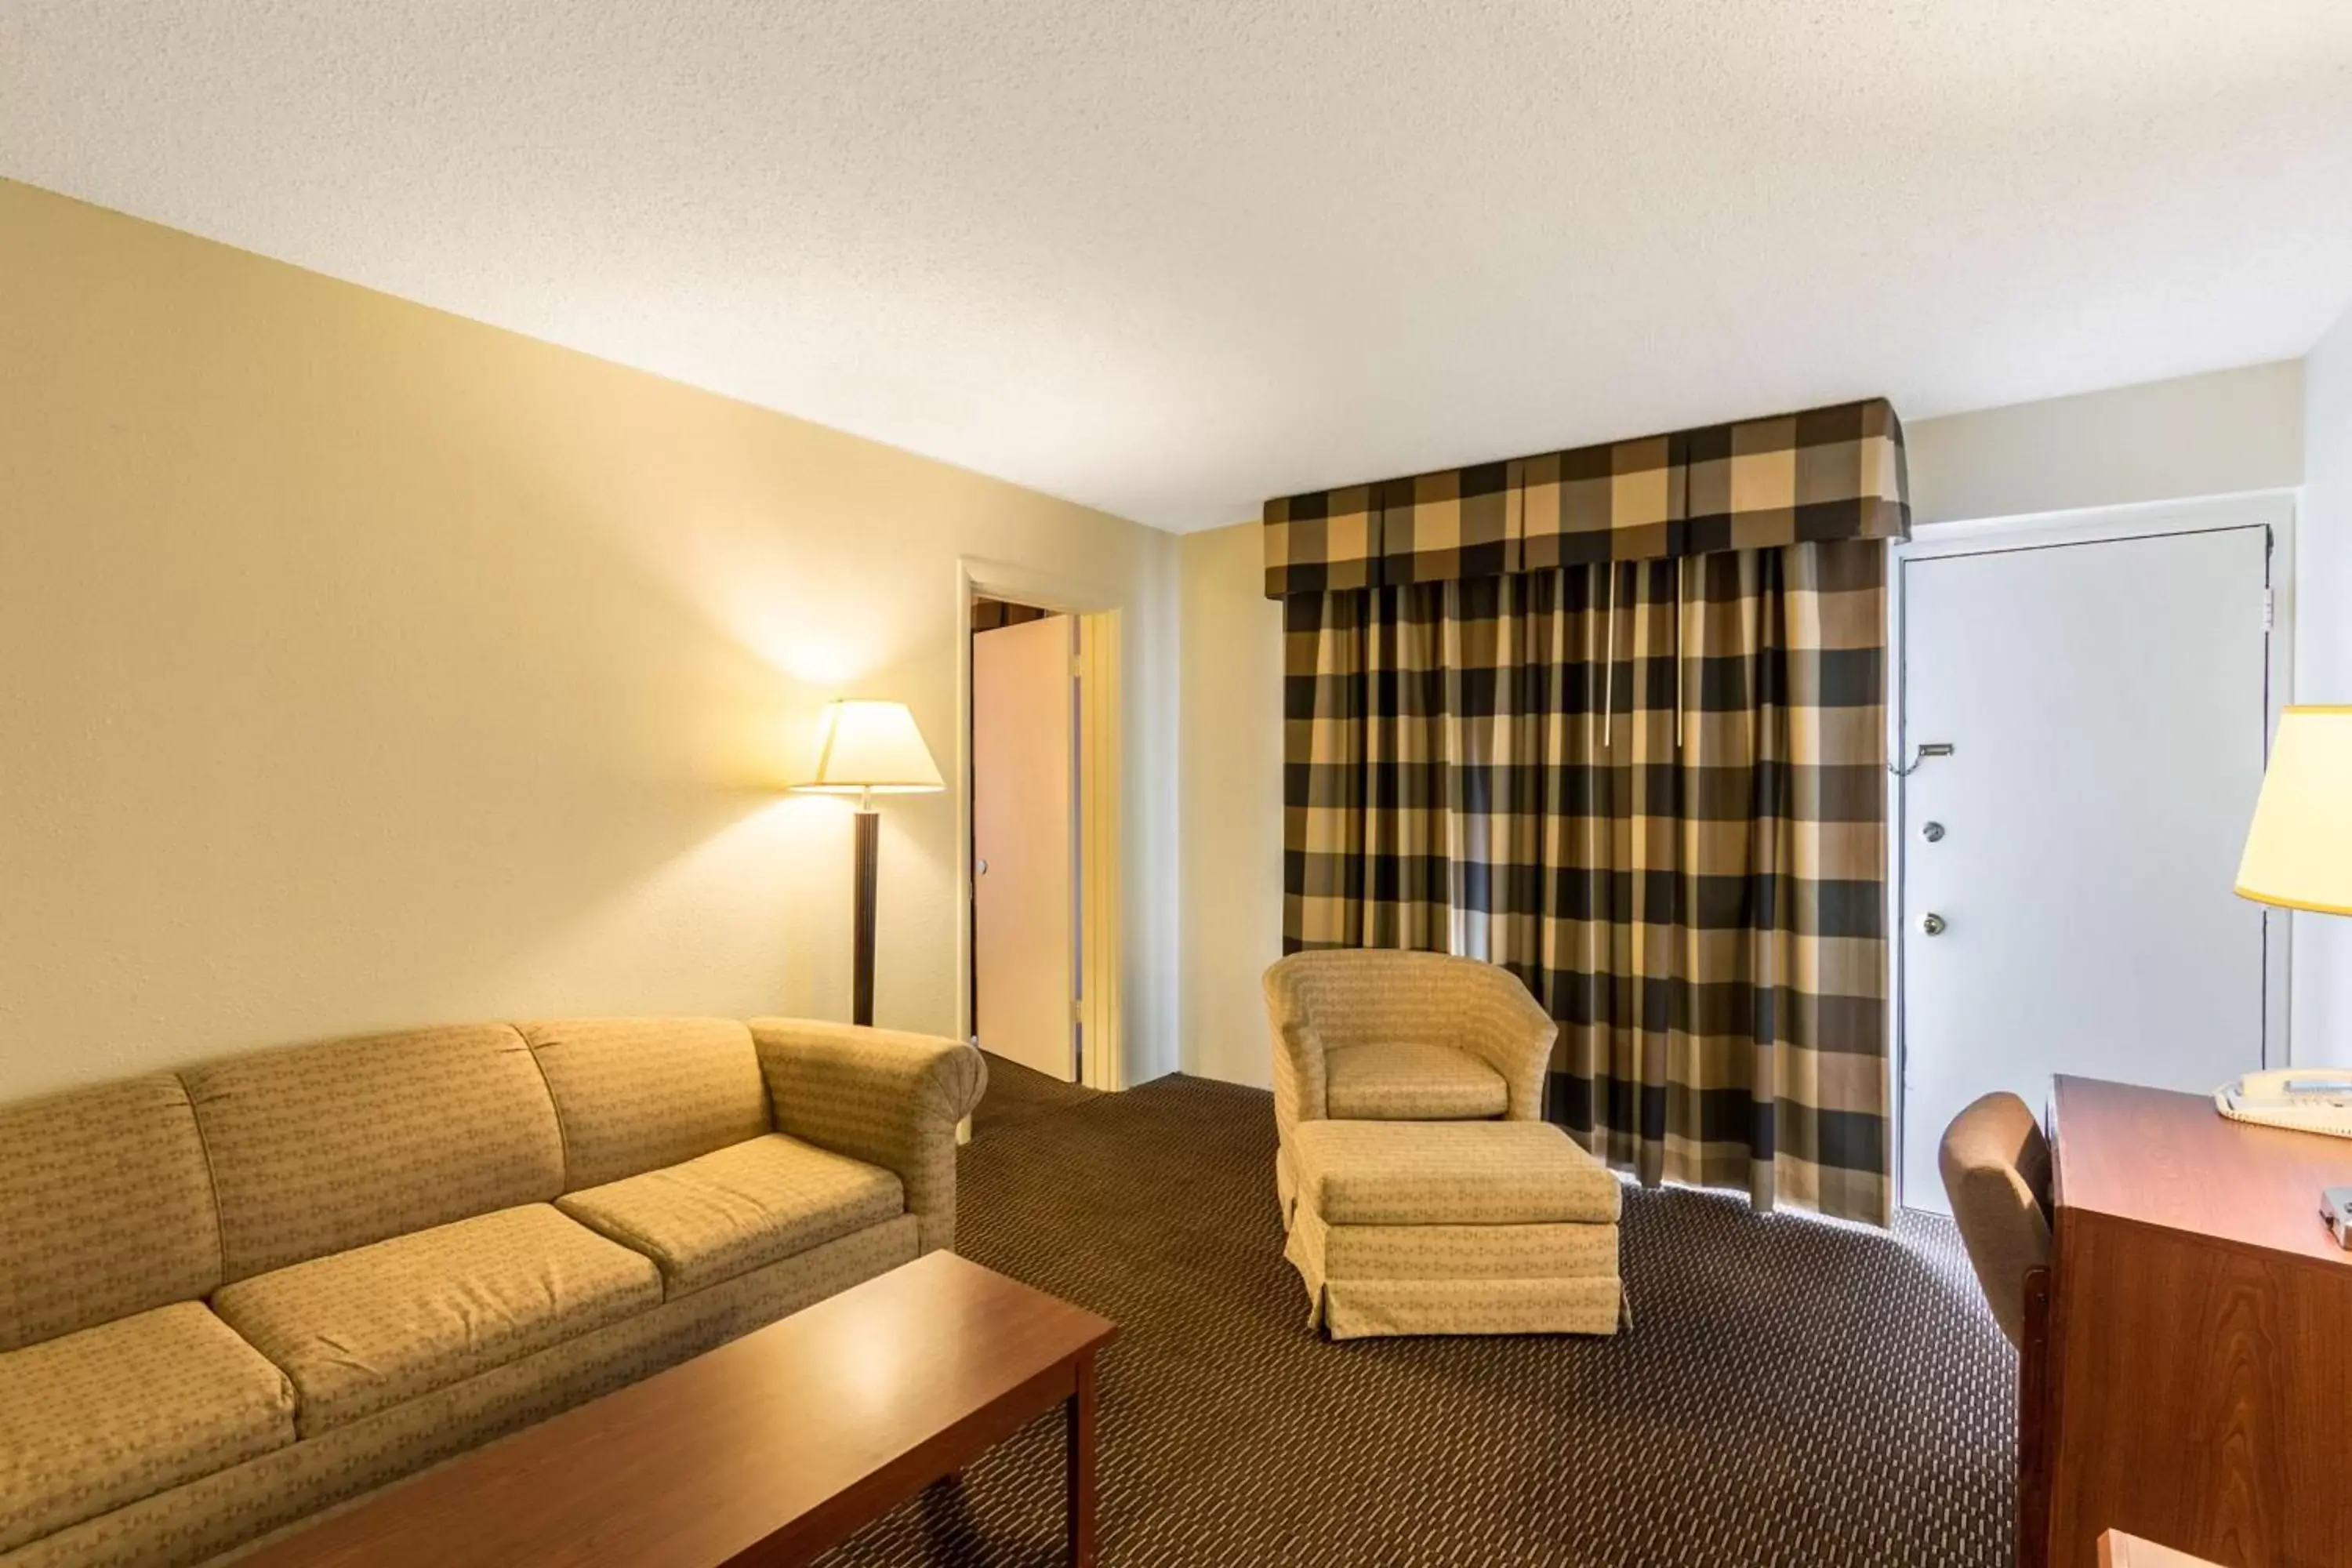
1996	1169
1353	995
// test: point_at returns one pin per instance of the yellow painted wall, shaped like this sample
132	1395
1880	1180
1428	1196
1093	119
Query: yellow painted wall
364	666
1230	719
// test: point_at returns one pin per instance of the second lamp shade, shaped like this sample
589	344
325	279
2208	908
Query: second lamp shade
2299	850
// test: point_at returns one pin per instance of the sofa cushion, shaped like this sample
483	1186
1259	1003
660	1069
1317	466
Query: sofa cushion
319	1149
106	1208
1404	1081
108	1415
638	1094
1449	1172
739	1208
362	1330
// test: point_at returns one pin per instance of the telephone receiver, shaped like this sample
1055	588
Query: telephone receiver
2305	1099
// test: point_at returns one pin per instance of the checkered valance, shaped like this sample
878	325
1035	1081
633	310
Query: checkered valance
1823	474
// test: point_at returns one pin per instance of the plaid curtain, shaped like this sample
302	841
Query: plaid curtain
1655	791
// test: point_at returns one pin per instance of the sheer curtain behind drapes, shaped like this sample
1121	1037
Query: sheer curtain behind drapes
1655	791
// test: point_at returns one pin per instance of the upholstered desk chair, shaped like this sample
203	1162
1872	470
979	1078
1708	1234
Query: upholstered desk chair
1996	1168
1371	1036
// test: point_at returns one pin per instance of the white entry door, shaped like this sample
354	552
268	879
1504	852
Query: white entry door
2066	869
1024	886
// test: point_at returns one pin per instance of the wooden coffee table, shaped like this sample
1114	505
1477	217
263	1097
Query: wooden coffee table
768	1450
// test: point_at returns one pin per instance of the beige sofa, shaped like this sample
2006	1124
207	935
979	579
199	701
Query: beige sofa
233	1295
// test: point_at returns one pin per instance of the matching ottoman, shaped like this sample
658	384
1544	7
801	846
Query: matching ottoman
1454	1228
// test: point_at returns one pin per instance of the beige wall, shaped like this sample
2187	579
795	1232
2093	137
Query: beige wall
2233	430
2198	436
1231	782
366	666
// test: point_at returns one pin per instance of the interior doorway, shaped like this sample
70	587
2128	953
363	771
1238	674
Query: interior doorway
1043	852
2084	712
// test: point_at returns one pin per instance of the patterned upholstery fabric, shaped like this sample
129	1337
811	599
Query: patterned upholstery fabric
319	1149
124	1411
737	1209
1451	1173
375	1327
1462	1228
375	1217
1330	1001
1362	1309
205	1517
889	1099
1324	1004
106	1208
1465	1251
637	1094
1400	1081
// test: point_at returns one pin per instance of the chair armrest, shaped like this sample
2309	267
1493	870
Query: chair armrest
1299	1061
1510	1033
892	1099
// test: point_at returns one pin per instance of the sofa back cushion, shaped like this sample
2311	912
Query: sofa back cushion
636	1094
322	1148
105	1208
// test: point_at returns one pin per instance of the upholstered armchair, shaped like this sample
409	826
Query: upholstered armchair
1373	1036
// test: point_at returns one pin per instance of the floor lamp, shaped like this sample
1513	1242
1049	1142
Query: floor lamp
867	749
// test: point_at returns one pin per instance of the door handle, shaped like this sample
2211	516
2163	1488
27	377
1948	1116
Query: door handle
1933	925
983	867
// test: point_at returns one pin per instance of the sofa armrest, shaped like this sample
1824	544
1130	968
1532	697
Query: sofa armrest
890	1099
1512	1034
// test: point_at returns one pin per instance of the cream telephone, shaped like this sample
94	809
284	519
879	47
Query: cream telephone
2306	1099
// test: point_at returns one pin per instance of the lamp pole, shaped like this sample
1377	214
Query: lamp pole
869	848
863	747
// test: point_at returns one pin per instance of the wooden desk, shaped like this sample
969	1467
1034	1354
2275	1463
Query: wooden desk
2200	1333
762	1453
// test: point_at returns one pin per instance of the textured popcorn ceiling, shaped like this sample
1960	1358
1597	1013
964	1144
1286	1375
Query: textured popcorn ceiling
1170	257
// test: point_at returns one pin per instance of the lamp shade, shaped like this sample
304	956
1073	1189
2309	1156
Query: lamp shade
863	746
2299	850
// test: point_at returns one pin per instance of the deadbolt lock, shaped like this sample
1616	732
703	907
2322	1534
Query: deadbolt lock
1933	832
1933	925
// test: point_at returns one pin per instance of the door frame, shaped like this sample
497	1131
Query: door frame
1099	671
2272	508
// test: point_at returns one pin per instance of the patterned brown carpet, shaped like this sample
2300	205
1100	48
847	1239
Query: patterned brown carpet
1016	1094
1791	1392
